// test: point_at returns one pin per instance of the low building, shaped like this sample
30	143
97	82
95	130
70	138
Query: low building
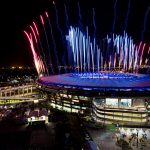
37	116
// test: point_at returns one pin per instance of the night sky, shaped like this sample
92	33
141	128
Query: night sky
19	14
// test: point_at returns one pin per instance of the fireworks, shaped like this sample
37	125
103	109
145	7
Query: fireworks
118	53
84	54
37	60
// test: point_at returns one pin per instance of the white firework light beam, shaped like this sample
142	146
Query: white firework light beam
88	57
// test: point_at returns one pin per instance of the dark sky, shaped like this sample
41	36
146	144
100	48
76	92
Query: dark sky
17	15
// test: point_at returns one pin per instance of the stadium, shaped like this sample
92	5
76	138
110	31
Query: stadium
103	80
109	100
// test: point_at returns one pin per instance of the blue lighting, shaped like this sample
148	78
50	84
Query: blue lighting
104	75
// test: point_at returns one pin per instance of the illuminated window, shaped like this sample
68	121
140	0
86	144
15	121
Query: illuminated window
112	101
125	102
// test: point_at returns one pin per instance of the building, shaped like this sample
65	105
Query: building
38	116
